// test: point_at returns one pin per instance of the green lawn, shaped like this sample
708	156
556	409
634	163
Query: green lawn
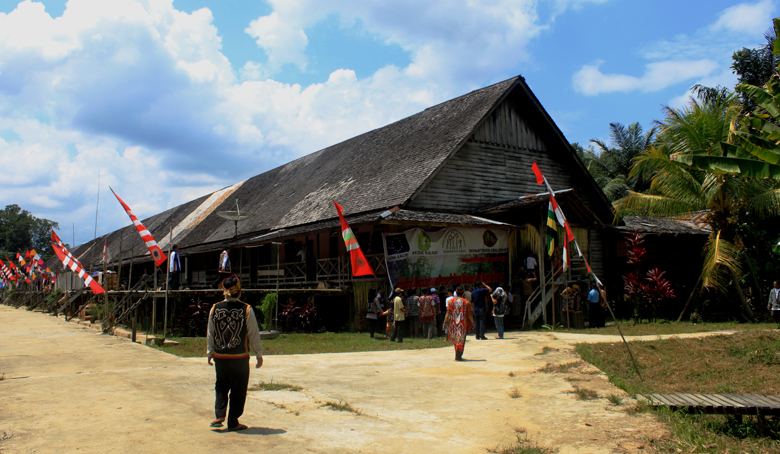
645	329
295	344
744	363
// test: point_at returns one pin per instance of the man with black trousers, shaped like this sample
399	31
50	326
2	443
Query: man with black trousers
479	298
232	333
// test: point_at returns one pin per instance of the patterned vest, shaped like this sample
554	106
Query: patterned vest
231	339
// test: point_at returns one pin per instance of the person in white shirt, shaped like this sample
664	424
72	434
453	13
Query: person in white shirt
174	267
774	303
530	263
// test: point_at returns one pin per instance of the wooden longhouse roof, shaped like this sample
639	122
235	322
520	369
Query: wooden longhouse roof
367	174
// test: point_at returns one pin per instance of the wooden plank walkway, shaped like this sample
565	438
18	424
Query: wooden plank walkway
724	404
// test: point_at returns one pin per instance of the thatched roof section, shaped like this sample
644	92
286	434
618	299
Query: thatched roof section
692	224
371	172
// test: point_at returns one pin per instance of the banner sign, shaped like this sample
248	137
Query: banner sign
416	258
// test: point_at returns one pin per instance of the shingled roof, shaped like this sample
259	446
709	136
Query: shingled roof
373	171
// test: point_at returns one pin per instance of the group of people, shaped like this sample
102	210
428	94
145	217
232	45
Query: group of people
430	314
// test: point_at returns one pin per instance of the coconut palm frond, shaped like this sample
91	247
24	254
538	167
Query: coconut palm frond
637	204
766	203
616	188
721	262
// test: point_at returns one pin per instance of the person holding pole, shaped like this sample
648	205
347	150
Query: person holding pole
232	333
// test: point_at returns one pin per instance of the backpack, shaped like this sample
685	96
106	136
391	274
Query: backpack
501	307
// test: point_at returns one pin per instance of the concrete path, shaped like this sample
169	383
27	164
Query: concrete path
68	389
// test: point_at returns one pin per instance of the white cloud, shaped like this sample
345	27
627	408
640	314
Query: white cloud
747	18
679	60
141	93
659	75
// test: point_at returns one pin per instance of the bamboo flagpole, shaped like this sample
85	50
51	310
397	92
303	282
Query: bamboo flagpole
540	179
167	282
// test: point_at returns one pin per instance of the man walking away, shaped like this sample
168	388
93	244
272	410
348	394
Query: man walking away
479	298
413	314
232	332
223	269
774	303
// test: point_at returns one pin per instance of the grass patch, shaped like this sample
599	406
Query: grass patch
665	327
728	364
584	394
546	350
523	445
572	379
515	393
271	386
342	406
559	368
614	399
296	344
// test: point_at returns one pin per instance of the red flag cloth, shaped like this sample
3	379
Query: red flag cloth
360	266
76	268
16	269
56	240
6	272
538	173
154	249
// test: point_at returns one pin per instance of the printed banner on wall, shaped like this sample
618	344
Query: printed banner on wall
416	258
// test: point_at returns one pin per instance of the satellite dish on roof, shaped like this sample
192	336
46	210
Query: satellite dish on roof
234	216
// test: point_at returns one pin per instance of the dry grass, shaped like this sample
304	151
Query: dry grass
584	394
271	386
726	364
560	368
546	350
342	406
515	393
665	327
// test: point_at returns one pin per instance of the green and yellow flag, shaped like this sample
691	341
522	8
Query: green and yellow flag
552	229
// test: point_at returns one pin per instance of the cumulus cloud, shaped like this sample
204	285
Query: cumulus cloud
591	81
141	93
746	17
679	60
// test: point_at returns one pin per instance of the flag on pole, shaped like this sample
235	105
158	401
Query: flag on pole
106	254
76	268
7	272
360	266
154	249
56	240
552	229
16	269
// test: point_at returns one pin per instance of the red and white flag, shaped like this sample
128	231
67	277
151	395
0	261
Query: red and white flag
360	266
76	268
154	249
56	240
16	269
106	254
7	272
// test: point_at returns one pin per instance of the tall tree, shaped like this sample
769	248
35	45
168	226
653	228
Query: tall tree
20	230
615	161
677	189
756	66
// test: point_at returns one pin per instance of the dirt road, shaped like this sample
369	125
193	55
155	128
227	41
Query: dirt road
68	389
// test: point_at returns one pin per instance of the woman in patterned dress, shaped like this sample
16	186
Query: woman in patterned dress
459	321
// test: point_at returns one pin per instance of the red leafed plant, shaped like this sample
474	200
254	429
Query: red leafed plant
649	292
299	314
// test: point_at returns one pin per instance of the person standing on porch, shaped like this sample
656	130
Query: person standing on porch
232	333
458	321
223	269
174	268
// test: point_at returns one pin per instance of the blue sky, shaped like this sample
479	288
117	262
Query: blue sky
170	100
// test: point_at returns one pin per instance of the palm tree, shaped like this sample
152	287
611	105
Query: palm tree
677	189
614	163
